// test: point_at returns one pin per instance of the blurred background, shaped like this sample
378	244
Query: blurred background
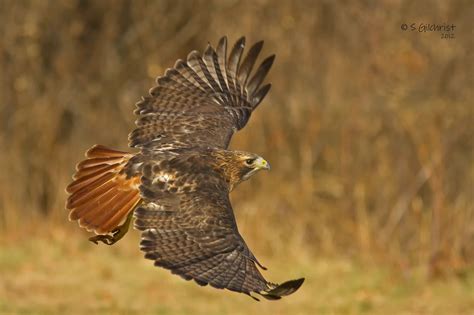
369	130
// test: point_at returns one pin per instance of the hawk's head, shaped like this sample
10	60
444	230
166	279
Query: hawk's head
249	164
238	166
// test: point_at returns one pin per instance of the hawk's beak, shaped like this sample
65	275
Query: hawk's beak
262	164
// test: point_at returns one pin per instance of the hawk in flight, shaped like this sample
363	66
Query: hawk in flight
177	186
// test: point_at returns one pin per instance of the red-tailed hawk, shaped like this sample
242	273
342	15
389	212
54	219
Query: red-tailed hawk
177	186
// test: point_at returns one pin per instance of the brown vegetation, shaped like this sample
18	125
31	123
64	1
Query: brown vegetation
369	129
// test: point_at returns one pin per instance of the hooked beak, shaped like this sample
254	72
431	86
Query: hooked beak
262	164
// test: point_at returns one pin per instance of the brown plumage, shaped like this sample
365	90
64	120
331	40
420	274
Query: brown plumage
183	174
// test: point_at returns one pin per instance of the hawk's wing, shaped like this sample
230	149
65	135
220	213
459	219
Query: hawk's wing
189	228
202	101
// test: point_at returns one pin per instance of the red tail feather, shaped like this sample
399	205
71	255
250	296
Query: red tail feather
100	196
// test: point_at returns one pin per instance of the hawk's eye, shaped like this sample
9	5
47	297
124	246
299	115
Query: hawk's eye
249	161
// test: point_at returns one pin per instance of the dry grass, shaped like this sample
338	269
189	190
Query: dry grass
369	131
59	272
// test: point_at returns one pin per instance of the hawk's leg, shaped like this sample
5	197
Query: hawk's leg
117	233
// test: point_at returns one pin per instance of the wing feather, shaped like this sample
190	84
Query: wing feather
221	52
260	95
233	68
260	75
248	63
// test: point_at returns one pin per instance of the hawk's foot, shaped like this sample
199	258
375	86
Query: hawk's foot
116	235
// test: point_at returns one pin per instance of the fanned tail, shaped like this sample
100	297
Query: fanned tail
101	195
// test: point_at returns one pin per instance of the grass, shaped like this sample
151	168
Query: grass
60	272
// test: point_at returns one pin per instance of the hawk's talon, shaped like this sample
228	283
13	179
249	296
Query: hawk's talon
106	239
117	233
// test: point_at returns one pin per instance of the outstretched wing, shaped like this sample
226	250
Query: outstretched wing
202	101
189	228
